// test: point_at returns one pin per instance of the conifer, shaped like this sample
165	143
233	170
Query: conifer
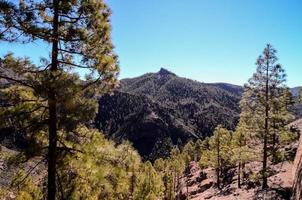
265	104
219	153
79	35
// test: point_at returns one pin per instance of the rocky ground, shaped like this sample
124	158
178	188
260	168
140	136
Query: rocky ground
11	162
201	183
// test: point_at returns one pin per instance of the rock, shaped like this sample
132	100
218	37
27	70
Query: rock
297	170
205	187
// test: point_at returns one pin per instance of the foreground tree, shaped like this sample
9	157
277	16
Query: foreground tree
79	35
105	170
262	104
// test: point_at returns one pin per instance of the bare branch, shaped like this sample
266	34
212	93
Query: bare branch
21	82
30	171
72	64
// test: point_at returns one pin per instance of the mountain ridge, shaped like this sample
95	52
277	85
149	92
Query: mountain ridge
163	109
162	106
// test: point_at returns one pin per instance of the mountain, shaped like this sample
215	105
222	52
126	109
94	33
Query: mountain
298	106
295	91
158	110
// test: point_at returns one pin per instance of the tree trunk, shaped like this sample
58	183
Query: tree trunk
218	162
175	184
52	103
132	185
218	180
178	189
264	167
187	181
240	158
166	189
239	171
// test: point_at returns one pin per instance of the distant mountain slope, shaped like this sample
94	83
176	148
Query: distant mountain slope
298	106
158	110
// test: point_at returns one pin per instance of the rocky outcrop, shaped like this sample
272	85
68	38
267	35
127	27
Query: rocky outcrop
297	169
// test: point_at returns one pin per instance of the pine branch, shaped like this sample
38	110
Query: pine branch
91	83
68	149
21	82
30	171
73	18
72	64
71	52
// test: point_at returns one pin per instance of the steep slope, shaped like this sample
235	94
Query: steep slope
198	184
158	110
142	121
297	169
285	183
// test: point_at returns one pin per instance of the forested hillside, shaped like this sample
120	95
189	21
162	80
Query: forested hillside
159	110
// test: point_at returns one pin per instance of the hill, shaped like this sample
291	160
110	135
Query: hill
298	106
158	110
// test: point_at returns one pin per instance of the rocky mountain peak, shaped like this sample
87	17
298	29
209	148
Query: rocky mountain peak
165	72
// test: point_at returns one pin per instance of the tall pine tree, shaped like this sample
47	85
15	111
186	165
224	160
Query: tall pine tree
265	104
79	35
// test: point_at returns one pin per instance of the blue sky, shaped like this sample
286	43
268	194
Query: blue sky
205	40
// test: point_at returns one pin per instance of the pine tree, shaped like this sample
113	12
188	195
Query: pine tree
150	184
265	101
177	164
79	35
280	117
189	152
241	151
165	170
99	169
200	146
219	154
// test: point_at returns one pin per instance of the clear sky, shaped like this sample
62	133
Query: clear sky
205	40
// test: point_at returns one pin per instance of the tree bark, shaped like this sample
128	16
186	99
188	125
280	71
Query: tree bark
52	103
